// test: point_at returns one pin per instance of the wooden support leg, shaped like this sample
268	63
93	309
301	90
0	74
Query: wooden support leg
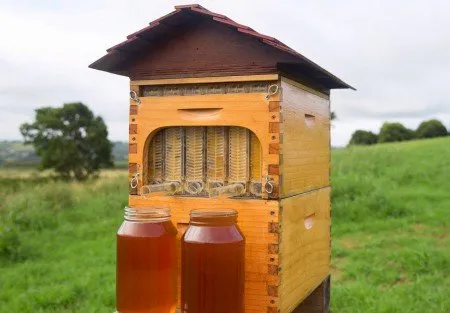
318	301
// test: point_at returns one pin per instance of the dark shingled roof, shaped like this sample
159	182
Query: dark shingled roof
120	54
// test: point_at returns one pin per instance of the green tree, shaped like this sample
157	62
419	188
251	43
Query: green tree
70	140
391	132
362	137
333	116
430	129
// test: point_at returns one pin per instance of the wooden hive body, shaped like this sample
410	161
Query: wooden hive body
215	72
287	233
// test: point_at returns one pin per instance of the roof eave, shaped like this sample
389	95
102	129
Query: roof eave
313	72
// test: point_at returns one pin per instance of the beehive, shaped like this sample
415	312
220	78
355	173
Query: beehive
224	117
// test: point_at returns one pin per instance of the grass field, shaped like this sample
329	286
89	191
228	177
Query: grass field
391	206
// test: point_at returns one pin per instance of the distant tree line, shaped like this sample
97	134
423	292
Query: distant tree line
392	132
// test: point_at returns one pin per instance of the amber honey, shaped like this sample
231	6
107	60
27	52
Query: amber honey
212	271
146	262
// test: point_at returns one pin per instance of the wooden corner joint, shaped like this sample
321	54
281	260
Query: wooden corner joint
132	168
273	248
273	269
132	129
272	291
274	148
273	169
274	127
274	227
274	106
132	148
133	109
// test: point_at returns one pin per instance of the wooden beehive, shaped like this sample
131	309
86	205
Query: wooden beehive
195	68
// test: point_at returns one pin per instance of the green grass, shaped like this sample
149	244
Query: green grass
61	241
391	243
391	208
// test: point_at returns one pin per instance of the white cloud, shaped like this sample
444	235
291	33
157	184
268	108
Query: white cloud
394	52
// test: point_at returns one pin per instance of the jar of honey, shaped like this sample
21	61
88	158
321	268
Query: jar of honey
212	271
146	278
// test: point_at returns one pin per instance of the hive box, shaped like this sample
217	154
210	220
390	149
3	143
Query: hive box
193	67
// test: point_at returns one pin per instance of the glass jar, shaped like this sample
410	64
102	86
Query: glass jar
212	271
146	278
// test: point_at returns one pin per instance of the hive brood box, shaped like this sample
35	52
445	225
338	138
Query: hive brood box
197	75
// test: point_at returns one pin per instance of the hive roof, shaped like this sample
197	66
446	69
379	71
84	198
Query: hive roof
120	57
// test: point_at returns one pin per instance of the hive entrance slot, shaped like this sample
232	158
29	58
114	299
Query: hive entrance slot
205	161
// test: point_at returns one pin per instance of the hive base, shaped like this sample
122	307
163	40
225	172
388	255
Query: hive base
318	301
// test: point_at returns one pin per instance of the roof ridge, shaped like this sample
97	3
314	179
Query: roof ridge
186	6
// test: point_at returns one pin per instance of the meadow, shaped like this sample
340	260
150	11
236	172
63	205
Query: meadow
390	250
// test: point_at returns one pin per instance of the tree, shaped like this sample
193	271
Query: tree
362	137
391	132
70	140
430	129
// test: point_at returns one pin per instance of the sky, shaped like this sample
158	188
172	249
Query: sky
396	53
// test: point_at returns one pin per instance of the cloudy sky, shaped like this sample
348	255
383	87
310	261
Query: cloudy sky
396	53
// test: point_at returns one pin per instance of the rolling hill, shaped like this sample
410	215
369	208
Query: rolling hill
17	154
